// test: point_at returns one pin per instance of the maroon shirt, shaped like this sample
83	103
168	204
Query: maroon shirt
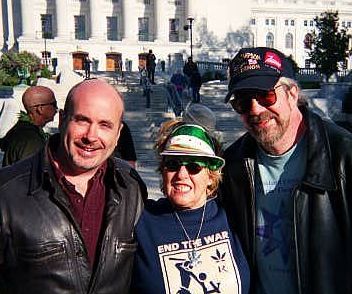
88	210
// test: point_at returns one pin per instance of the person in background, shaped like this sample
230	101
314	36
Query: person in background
189	67
68	212
151	64
200	114
195	83
184	241
146	86
125	146
174	102
86	64
27	136
180	82
287	182
162	64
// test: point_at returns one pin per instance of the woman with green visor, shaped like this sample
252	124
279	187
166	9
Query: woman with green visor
184	241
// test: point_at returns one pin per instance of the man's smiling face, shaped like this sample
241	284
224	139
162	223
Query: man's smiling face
91	130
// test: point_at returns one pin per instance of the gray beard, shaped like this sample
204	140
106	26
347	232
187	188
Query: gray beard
268	138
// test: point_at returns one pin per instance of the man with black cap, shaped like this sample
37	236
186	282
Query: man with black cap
287	182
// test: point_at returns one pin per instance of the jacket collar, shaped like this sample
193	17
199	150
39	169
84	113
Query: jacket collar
319	172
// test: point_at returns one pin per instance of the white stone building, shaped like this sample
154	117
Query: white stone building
110	32
288	24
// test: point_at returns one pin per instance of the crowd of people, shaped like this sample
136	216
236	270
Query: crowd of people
271	214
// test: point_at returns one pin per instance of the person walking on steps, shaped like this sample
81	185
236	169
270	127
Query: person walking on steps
151	64
196	83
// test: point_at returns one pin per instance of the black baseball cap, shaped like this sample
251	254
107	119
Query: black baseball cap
257	68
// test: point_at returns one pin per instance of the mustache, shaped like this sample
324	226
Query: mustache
253	119
86	143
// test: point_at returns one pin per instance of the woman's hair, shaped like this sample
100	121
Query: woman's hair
162	138
166	129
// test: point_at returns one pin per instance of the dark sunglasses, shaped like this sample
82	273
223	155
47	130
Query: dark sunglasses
193	167
53	104
242	99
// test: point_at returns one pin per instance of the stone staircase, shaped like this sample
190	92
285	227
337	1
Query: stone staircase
144	124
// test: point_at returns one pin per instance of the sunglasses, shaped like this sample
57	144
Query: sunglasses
193	167
242	99
53	104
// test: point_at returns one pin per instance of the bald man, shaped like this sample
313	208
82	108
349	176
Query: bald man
70	210
27	136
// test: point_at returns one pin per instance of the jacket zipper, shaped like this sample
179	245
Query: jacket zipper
250	172
299	282
105	240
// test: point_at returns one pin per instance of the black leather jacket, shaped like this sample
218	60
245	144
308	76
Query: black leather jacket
322	207
41	246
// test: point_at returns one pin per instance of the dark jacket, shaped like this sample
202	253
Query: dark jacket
322	207
21	141
41	245
125	146
189	68
150	62
179	80
196	80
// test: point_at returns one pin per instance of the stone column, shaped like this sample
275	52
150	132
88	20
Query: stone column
97	20
28	29
62	18
161	21
64	21
130	21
